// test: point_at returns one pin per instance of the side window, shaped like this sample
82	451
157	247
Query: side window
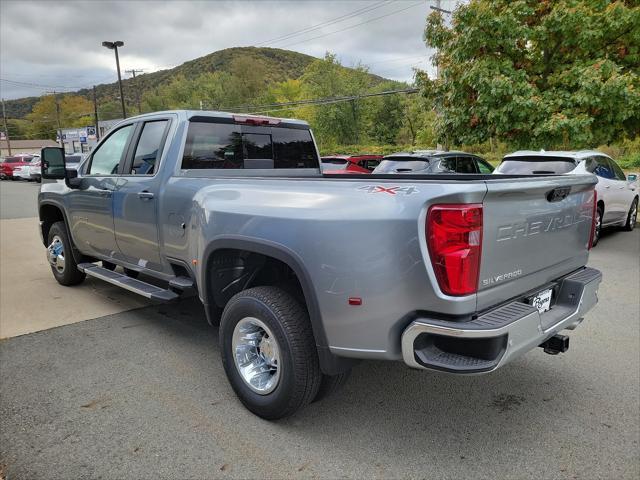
106	158
149	148
590	164
448	165
483	167
617	171
465	165
603	169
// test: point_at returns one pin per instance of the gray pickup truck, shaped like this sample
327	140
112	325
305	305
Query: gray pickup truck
307	273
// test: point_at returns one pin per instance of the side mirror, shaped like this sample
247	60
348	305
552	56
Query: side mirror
53	166
52	163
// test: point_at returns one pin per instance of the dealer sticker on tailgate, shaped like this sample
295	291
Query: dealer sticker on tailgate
542	300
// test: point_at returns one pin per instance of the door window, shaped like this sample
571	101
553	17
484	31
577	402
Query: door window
465	165
107	157
483	167
448	165
149	148
602	168
617	171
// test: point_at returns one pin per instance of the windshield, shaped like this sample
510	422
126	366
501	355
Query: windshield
400	165
533	164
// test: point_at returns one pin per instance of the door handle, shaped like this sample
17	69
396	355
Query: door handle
104	193
607	186
145	195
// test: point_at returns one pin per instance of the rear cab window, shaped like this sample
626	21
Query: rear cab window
212	145
536	165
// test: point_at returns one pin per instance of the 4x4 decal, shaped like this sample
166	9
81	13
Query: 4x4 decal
394	190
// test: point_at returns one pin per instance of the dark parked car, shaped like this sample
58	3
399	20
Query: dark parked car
422	162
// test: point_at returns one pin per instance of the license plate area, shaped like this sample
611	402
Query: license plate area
541	300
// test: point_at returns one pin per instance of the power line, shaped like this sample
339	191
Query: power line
29	84
354	26
323	24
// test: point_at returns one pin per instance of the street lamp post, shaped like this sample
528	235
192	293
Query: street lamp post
114	46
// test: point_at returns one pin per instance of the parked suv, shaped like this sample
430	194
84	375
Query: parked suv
617	197
432	161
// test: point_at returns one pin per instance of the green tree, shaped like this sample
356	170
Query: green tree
533	73
339	123
75	111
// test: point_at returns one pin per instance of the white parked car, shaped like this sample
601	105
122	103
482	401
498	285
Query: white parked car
34	169
617	197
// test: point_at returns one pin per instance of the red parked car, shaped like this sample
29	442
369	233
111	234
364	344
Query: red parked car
10	163
350	163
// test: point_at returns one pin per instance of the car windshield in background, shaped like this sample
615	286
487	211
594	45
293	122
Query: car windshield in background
400	165
527	165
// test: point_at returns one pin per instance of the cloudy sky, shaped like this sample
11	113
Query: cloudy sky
57	45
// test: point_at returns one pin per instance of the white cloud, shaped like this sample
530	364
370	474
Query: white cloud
58	44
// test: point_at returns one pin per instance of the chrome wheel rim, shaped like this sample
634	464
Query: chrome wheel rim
598	226
55	254
256	354
633	215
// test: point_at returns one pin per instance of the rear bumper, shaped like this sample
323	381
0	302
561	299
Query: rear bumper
500	335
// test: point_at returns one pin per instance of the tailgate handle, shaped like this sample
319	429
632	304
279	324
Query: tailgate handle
558	194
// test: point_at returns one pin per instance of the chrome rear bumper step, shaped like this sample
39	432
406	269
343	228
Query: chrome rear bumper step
147	290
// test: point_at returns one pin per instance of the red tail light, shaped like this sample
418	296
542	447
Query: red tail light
593	218
454	239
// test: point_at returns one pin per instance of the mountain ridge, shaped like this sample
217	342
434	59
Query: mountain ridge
279	65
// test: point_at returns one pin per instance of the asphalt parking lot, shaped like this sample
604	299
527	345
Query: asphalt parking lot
141	393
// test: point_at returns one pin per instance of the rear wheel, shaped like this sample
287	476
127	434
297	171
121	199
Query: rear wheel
632	217
268	352
598	227
60	256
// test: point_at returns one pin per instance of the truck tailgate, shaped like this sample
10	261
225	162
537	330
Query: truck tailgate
534	231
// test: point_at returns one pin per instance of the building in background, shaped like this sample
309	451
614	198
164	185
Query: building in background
84	139
25	146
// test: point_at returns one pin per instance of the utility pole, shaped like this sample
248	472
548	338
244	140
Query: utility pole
95	113
133	72
55	97
114	46
6	128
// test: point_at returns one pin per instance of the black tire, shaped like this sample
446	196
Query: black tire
108	265
598	227
632	216
69	274
330	384
289	323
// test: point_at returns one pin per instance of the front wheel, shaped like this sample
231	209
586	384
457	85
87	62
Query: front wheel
632	217
63	265
268	352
